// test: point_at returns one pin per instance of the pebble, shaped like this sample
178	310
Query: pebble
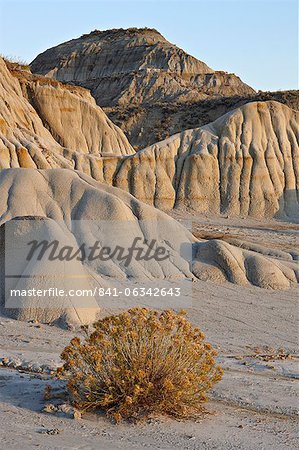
51	431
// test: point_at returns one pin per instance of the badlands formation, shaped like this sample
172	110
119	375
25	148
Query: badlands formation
134	66
229	165
149	87
141	80
245	163
72	208
46	124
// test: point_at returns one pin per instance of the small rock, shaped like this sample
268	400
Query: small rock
49	408
77	415
64	410
69	411
51	431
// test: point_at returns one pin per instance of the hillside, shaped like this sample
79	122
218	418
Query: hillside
145	125
246	163
243	164
70	208
40	118
134	66
149	87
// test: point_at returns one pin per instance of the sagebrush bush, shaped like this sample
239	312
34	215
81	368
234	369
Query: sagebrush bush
141	362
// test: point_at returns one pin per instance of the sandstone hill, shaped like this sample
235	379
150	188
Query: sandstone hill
136	75
44	123
134	66
73	209
245	163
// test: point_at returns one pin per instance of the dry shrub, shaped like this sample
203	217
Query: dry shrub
141	362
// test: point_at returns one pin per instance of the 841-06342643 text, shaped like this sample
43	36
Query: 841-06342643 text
101	292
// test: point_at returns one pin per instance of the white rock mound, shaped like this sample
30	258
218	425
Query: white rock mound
25	276
220	261
75	210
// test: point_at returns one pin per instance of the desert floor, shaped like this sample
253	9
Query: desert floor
254	406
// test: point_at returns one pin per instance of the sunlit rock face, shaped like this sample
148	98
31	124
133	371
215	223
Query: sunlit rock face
134	66
246	163
41	118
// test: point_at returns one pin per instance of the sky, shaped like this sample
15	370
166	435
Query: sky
255	39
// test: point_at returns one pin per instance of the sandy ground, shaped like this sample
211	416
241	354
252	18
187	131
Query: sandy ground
254	406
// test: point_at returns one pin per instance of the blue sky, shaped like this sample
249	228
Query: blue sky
256	39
